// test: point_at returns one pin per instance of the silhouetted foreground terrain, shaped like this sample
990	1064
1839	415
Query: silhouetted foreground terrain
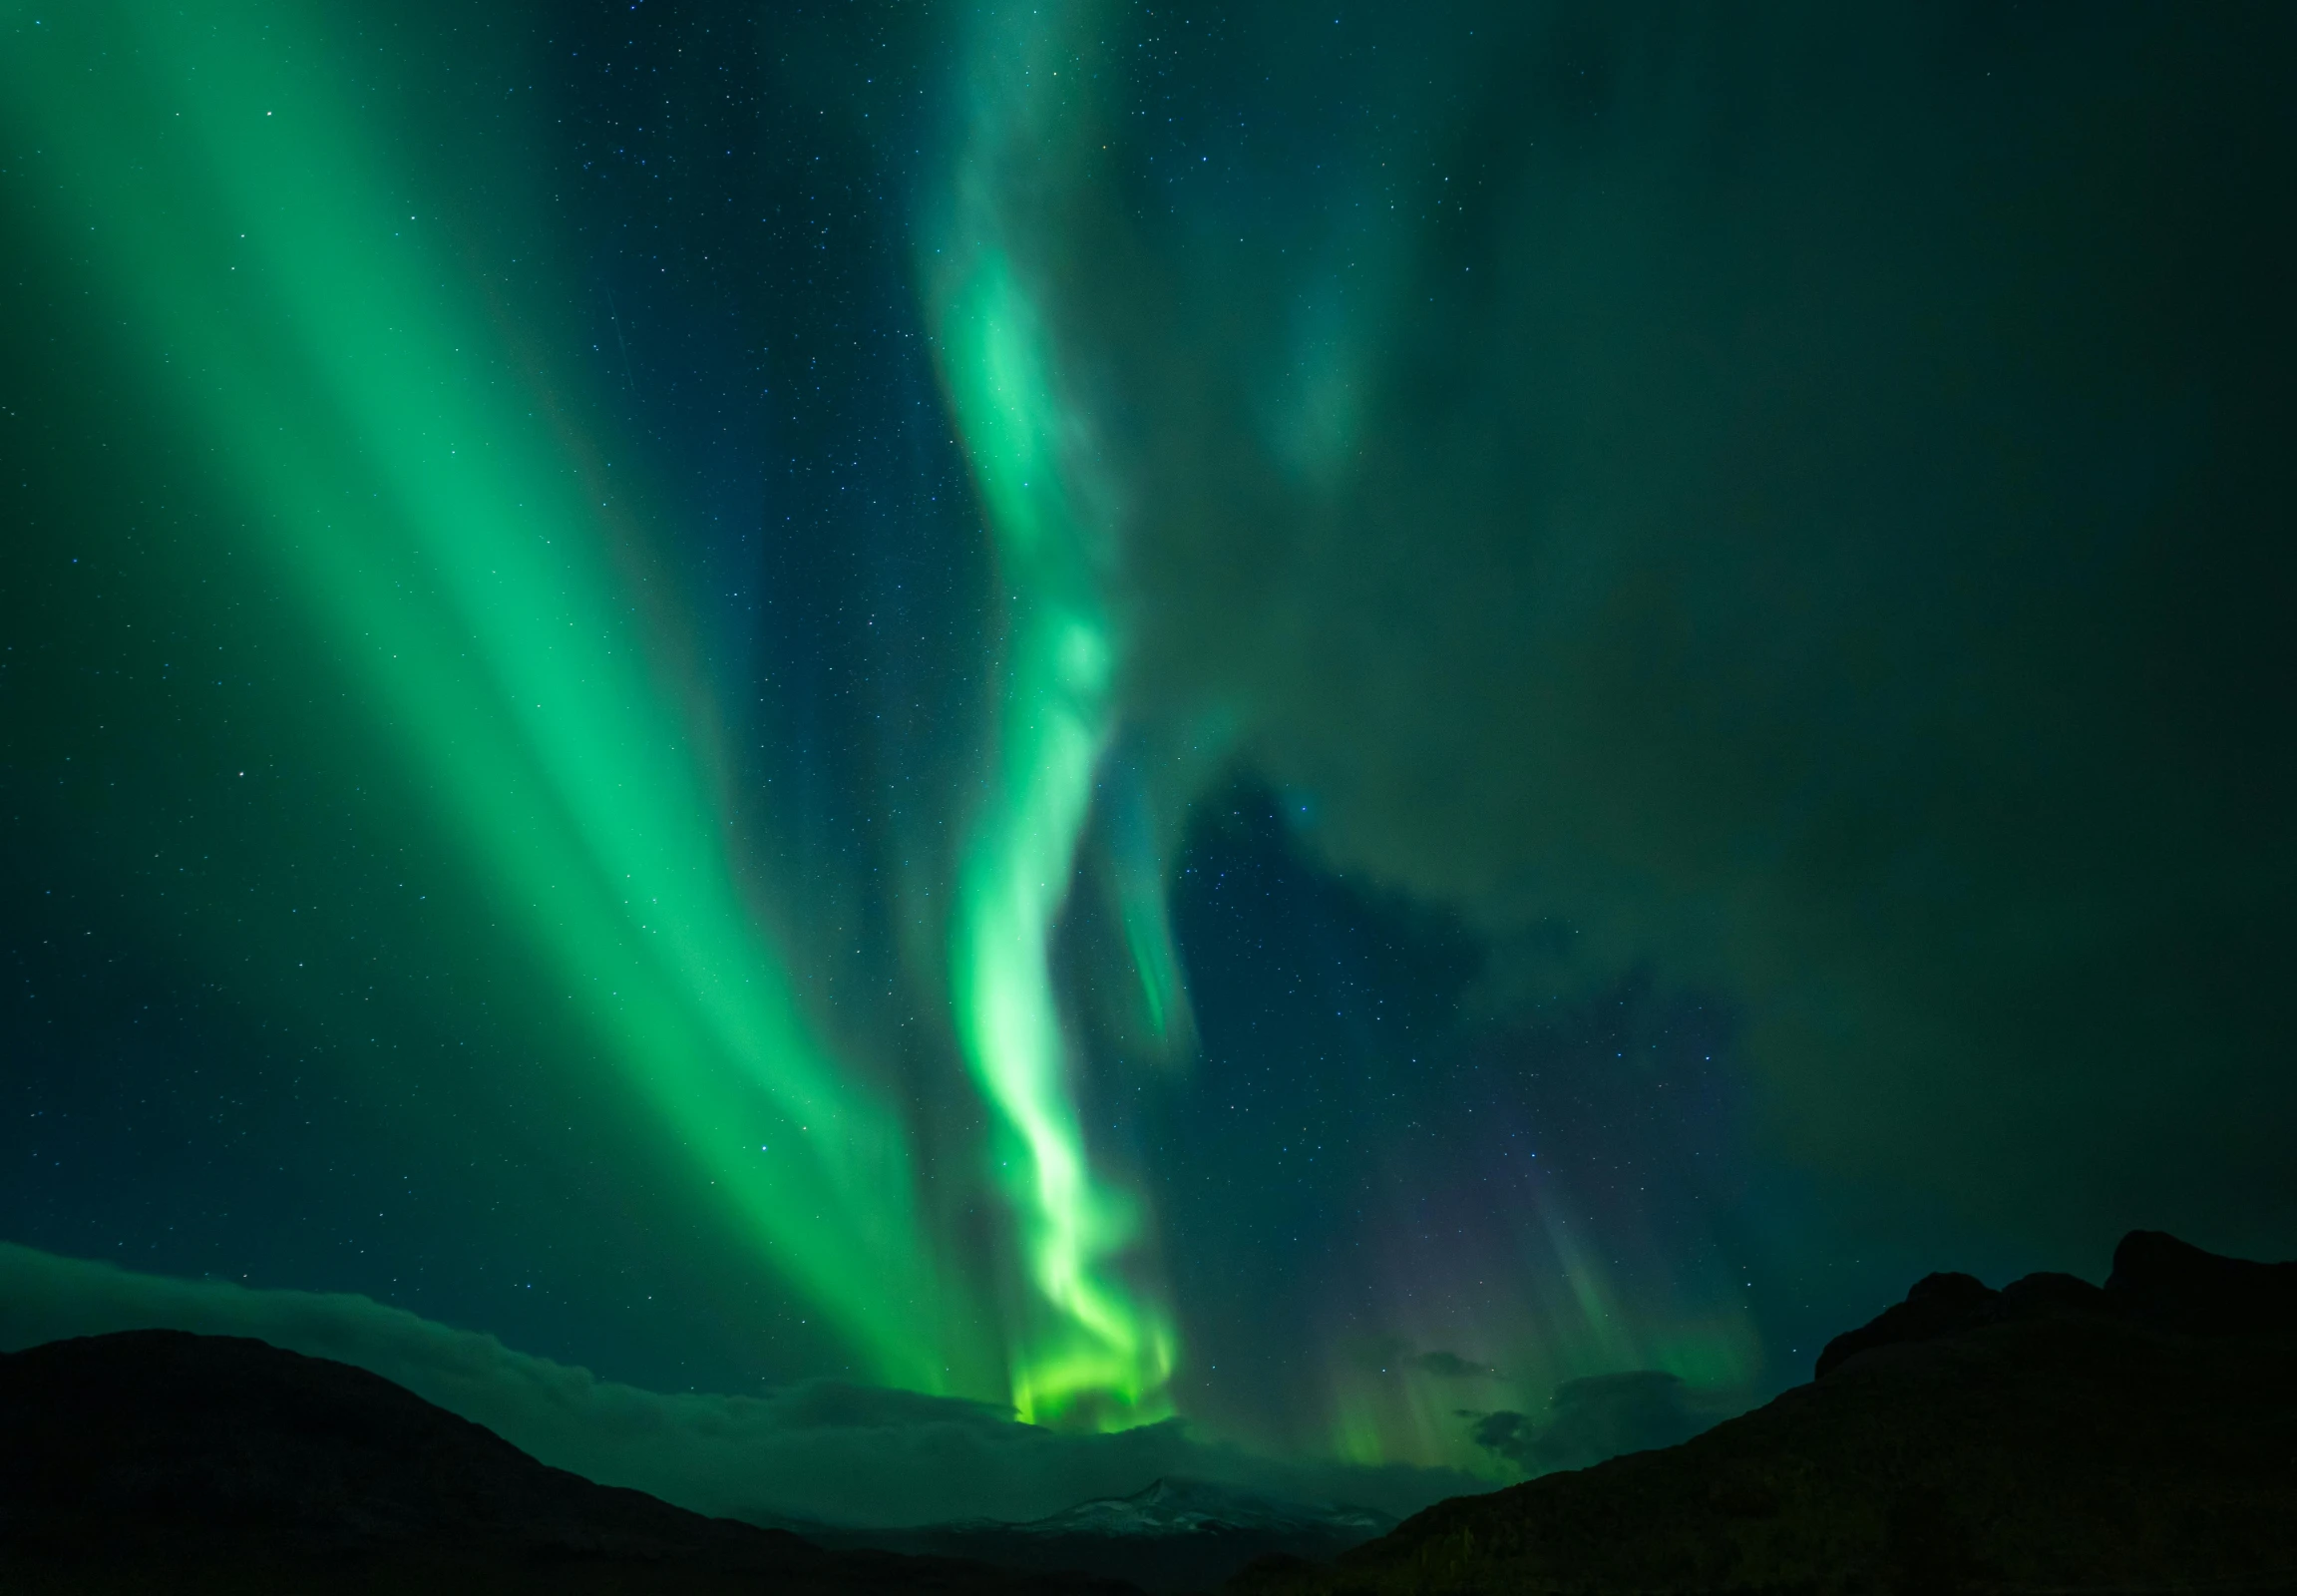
2049	1437
158	1461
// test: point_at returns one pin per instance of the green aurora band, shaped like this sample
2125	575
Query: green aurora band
410	490
1758	546
408	473
1090	1350
243	219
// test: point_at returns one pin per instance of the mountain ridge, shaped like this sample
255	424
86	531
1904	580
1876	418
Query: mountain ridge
162	1460
2052	1436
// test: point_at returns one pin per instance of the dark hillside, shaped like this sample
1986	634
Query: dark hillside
159	1461
2049	1437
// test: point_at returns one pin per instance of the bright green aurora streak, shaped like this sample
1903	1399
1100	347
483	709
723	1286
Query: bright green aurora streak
286	305
245	220
1090	1350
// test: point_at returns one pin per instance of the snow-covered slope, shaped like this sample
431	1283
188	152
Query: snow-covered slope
1173	1506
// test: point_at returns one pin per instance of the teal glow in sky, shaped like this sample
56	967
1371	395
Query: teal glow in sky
515	674
405	474
1298	724
1088	1341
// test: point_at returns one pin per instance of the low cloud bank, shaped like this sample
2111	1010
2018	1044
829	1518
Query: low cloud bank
1600	1417
826	1450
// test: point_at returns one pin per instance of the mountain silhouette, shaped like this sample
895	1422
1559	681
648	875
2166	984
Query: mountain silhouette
161	1462
2052	1435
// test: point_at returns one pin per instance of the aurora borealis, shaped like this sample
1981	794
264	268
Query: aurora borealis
498	650
1053	735
1198	722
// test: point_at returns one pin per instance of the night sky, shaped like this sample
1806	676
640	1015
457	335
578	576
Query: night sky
1363	750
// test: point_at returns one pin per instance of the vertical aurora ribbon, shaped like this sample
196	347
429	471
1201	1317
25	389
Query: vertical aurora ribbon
292	313
1088	1349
